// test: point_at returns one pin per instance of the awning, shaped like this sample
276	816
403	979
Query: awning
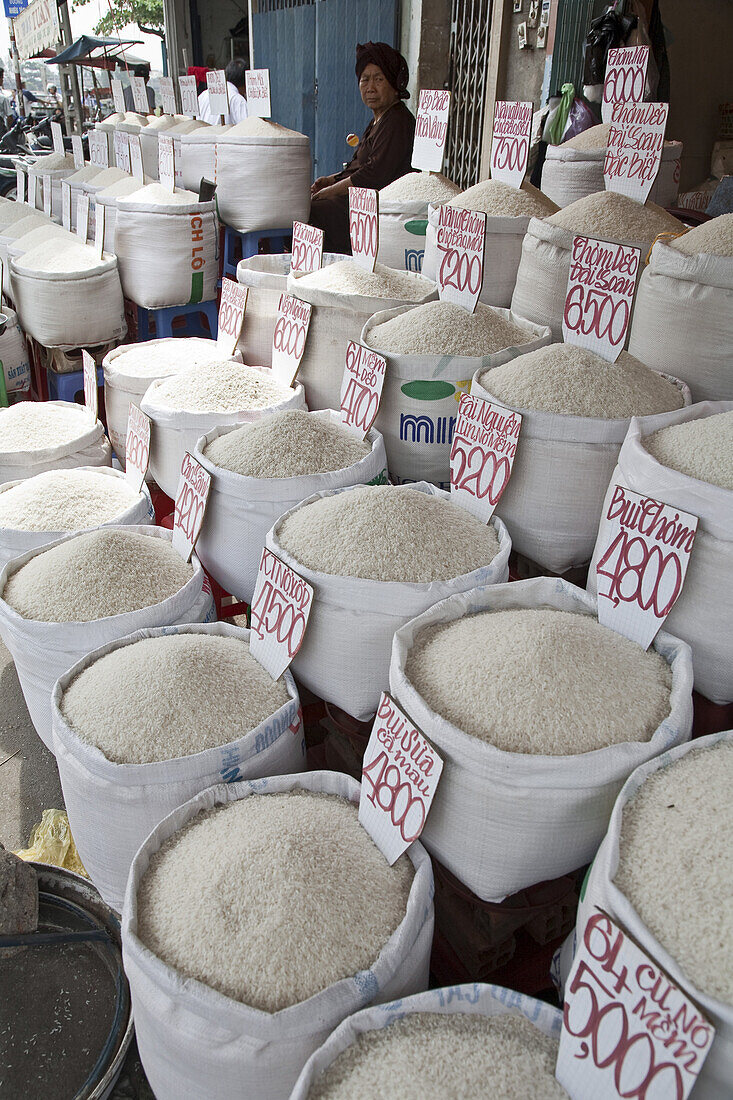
99	53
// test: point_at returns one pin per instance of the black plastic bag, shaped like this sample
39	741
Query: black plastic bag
606	32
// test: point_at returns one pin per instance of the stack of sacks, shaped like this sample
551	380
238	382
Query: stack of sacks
576	409
432	352
403	217
58	167
197	155
49	435
203	868
76	181
248	157
509	211
107	127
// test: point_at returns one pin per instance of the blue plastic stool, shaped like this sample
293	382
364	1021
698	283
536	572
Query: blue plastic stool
164	318
250	245
65	387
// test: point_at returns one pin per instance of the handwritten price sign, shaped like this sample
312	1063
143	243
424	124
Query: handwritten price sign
257	86
166	162
136	157
100	212
399	776
600	293
216	82
231	315
189	98
482	454
47	195
78	150
460	239
281	605
118	95
82	216
288	338
646	548
98	149
625	77
191	497
634	150
431	128
364	226
57	135
19	185
140	94
361	388
168	94
510	141
137	447
66	205
307	254
91	392
628	1030
121	146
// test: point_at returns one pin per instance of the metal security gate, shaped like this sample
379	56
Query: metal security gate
469	54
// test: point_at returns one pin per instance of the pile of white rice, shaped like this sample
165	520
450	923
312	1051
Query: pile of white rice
153	194
615	217
676	864
500	200
129	185
442	328
293	443
19	228
418	187
65	500
594	139
218	386
37	425
540	681
388	533
347	277
52	163
93	575
261	127
208	691
702	448
573	381
272	898
12	212
154	360
71	257
109	176
714	238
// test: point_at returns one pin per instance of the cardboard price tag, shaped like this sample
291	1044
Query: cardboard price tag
364	226
645	551
19	185
47	196
460	239
189	98
191	497
121	146
399	776
100	211
82	216
137	447
625	77
307	254
91	392
166	162
600	293
57	136
98	149
136	157
281	605
288	338
431	129
66	205
627	1029
510	141
482	454
257	87
168	94
140	94
634	150
361	388
231	315
118	95
77	146
177	162
34	183
216	82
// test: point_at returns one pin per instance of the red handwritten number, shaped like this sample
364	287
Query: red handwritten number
272	613
304	256
364	230
395	798
640	574
497	470
289	337
509	152
585	310
459	270
189	510
624	84
137	450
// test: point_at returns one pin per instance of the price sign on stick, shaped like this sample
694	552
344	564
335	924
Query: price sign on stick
216	82
600	294
361	388
166	162
510	141
281	605
625	77
118	95
627	1029
98	149
137	447
645	550
231	315
288	338
66	205
257	86
364	226
634	150
189	98
121	145
19	185
482	454
460	239
399	776
47	195
77	147
307	254
82	216
34	182
100	211
91	393
57	136
140	94
191	497
136	157
168	94
431	128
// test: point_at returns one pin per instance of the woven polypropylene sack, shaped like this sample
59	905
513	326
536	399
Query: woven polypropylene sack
56	174
197	155
44	651
196	1042
345	655
419	406
263	183
570	174
8	237
90	448
600	891
335	319
552	503
683	319
168	255
14	355
502	821
14	542
703	611
402	227
112	807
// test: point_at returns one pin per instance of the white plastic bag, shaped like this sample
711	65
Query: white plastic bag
90	448
262	182
241	510
112	807
502	821
14	355
345	656
195	1042
570	174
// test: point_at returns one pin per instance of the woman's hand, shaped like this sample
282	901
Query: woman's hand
320	183
333	190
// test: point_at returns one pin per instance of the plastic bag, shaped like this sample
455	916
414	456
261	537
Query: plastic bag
51	842
606	32
558	116
580	118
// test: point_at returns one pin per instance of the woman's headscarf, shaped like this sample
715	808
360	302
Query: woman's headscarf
389	60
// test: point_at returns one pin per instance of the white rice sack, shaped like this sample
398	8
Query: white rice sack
257	1021
127	757
403	217
379	555
554	765
432	352
468	1040
67	598
260	471
108	198
692	472
14	354
49	435
248	157
12	232
197	154
576	408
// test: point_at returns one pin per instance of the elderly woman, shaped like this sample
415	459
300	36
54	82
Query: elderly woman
385	150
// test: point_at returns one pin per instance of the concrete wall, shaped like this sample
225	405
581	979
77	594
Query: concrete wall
425	43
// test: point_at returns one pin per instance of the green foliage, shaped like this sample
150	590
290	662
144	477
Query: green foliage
148	14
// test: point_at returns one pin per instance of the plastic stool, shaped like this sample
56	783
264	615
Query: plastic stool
250	245
190	314
65	387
